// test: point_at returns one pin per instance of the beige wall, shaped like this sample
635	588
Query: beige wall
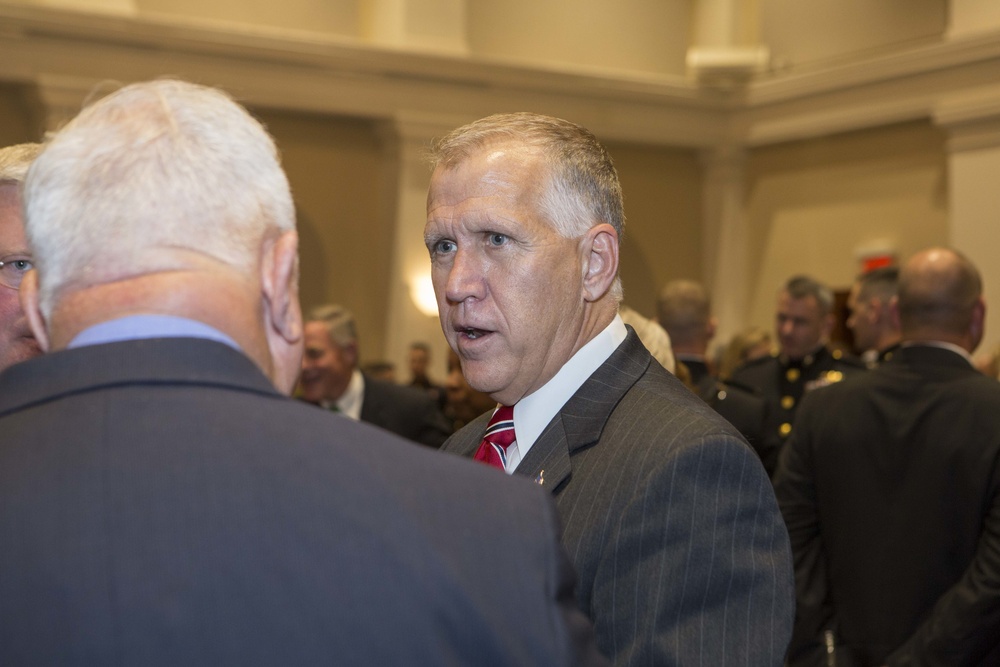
334	167
662	189
338	17
17	121
813	205
641	35
804	33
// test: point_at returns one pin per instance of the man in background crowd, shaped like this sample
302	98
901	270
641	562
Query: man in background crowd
890	485
669	517
331	379
420	361
872	321
17	343
685	311
803	321
162	503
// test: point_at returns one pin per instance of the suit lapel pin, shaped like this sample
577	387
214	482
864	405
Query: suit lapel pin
540	480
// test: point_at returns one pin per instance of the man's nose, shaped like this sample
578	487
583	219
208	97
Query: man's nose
465	278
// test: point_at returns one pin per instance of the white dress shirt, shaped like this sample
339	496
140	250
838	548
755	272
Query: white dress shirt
534	412
350	401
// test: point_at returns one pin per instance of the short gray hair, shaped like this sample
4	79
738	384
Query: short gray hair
152	169
684	309
583	190
339	323
801	287
15	160
882	283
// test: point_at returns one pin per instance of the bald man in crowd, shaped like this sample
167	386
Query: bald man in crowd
685	311
890	485
17	343
164	502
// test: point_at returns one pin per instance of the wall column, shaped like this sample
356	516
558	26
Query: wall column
973	125
407	138
726	240
436	25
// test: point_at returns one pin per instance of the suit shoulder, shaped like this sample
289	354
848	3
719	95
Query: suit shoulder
754	372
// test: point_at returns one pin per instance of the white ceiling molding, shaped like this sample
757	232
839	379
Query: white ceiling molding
302	71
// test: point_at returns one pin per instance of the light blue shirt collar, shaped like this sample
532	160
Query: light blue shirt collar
137	327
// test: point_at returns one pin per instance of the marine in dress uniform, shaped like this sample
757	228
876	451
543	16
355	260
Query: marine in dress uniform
803	324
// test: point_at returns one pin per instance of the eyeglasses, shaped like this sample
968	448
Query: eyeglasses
12	270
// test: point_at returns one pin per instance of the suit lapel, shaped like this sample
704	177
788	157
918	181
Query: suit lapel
579	423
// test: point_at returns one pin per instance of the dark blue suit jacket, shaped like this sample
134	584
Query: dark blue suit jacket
162	504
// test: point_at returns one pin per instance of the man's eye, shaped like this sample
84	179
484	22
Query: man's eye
444	246
18	264
497	239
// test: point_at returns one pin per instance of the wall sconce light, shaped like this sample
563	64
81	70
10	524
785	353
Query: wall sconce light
422	294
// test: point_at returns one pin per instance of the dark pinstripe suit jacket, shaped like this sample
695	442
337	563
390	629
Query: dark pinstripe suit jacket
669	517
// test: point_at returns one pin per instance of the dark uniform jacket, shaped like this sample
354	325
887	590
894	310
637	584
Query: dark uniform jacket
890	485
782	383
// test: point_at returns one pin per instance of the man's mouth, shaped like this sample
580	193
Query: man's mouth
472	333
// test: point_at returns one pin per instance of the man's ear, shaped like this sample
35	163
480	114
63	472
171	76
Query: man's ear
978	324
894	313
28	295
280	287
600	260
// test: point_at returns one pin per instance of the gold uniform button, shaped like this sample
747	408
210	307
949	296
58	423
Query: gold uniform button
787	402
785	429
834	376
792	374
837	354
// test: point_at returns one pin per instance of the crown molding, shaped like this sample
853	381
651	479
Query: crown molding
318	73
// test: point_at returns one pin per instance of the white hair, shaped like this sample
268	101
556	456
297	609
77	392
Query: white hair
153	168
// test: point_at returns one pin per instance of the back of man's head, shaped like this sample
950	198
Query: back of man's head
940	298
152	177
165	198
684	310
881	283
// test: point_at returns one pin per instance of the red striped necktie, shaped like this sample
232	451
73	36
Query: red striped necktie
499	435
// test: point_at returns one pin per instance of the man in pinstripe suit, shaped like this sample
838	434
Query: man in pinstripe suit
669	517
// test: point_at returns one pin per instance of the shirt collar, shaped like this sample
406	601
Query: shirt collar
137	327
534	412
350	401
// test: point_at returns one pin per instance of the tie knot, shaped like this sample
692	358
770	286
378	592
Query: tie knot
500	430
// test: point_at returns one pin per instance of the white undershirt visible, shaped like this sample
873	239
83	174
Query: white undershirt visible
350	401
534	412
